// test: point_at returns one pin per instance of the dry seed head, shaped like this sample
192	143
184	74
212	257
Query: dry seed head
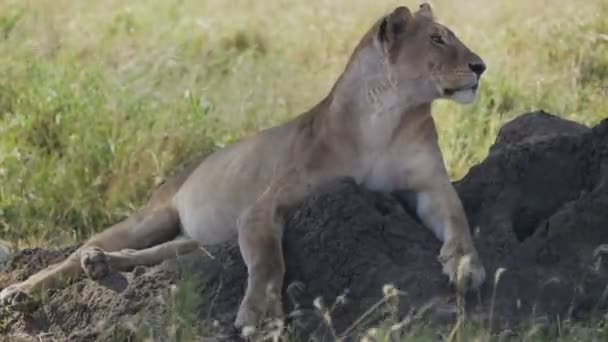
327	318
463	264
318	303
389	290
296	286
248	331
341	299
397	326
173	289
601	249
498	274
372	332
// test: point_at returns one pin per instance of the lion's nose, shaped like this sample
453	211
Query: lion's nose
478	68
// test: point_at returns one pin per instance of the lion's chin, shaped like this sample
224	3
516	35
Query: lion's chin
465	96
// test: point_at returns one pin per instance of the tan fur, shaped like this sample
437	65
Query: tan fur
374	126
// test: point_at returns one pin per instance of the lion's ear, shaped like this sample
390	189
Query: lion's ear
426	11
395	24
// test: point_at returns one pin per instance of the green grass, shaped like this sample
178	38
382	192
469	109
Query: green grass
100	100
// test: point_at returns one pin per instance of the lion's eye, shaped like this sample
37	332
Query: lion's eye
437	39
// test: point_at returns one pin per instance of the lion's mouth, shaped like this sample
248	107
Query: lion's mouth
452	91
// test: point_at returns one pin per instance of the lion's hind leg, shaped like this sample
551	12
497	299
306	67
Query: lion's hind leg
126	259
147	230
142	230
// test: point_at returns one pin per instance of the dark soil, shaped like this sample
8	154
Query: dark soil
538	206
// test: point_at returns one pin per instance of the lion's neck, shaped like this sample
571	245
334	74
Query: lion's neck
367	101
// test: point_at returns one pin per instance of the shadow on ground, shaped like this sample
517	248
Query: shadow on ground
538	206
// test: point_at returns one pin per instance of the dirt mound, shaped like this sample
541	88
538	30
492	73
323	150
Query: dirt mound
537	205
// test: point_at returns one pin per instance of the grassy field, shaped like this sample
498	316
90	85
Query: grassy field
100	100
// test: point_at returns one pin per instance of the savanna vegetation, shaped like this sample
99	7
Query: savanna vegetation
101	100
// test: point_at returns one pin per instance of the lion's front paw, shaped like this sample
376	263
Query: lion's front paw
461	263
17	297
252	313
94	263
246	317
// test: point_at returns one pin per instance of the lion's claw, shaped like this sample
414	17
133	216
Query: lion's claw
251	313
16	297
94	263
465	270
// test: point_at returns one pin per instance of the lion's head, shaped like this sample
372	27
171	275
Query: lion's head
421	53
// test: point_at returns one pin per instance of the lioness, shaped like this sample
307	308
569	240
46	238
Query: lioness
374	126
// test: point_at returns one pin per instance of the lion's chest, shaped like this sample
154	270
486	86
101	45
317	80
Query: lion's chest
406	167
